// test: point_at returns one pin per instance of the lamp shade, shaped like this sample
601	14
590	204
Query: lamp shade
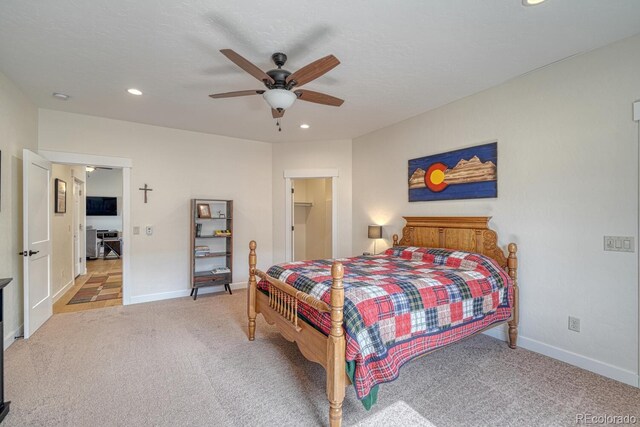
279	98
375	232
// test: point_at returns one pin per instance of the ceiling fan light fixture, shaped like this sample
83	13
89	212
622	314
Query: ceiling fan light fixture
279	99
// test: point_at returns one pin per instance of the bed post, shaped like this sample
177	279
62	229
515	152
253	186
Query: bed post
512	267
336	365
251	295
395	240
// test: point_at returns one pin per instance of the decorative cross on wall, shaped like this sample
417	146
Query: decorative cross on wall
145	189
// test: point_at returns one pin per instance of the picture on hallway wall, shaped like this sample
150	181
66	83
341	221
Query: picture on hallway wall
61	196
469	173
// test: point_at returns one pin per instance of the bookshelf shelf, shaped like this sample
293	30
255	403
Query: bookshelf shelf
211	255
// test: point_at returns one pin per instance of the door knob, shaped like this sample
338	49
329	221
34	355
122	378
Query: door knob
33	252
22	253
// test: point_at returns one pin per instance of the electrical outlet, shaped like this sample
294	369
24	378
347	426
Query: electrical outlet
149	230
574	324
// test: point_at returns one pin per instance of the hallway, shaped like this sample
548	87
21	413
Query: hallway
99	272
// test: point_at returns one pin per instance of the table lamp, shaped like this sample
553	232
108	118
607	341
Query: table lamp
375	233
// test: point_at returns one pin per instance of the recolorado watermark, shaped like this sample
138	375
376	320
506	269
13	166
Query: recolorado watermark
587	418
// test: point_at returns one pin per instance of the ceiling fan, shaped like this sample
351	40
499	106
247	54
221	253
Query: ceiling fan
282	85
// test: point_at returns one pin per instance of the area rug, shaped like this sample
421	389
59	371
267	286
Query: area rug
99	287
397	415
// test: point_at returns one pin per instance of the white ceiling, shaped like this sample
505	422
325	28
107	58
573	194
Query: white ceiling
399	58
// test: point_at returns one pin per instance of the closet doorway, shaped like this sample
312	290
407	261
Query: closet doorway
312	203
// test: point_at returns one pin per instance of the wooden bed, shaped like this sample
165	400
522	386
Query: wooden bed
280	307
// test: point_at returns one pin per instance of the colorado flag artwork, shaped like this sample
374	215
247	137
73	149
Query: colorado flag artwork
469	173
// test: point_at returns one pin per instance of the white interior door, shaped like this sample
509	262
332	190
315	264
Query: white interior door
77	230
37	241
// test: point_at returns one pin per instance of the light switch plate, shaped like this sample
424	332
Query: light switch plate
136	230
619	244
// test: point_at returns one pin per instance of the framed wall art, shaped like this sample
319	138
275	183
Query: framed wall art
61	196
469	173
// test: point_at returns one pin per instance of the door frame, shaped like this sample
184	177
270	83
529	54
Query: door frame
77	215
290	174
126	165
636	118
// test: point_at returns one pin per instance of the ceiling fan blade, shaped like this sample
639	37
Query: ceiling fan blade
318	98
246	65
277	114
314	70
237	93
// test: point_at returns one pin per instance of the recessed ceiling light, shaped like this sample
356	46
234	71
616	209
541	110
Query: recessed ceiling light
531	2
60	96
134	91
304	126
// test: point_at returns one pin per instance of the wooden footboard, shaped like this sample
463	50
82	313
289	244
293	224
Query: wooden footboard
280	308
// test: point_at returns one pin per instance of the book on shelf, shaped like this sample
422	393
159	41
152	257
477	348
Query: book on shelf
221	270
201	250
225	233
198	230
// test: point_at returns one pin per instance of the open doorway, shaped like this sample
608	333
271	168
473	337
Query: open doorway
46	195
330	177
312	218
97	216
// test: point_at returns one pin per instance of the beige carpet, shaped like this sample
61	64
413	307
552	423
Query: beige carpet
397	415
189	363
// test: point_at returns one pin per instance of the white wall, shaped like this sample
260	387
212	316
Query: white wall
568	174
18	130
301	214
62	255
312	223
105	183
178	165
312	155
319	219
61	234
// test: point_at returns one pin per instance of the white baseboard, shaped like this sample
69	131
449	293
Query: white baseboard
62	291
183	293
9	338
575	359
499	332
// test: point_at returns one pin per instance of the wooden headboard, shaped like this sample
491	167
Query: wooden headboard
466	233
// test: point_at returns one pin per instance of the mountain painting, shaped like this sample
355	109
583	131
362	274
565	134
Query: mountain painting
470	173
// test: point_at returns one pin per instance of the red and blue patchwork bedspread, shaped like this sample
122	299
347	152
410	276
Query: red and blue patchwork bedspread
403	303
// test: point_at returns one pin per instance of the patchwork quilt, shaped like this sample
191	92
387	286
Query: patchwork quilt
401	304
